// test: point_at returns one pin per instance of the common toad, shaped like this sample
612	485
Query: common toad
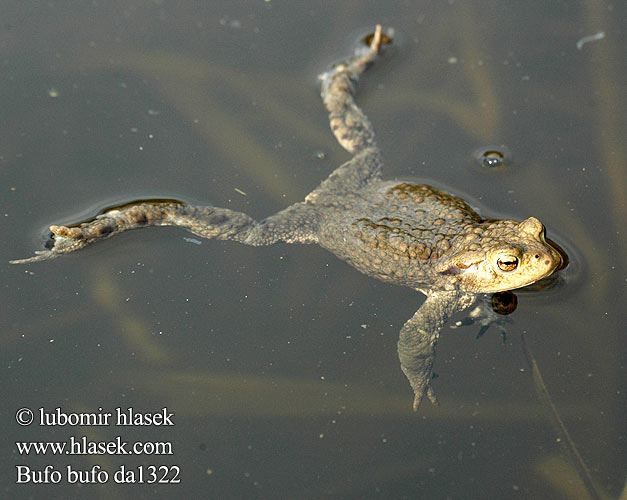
399	232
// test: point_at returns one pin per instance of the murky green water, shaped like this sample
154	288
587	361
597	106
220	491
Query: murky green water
280	363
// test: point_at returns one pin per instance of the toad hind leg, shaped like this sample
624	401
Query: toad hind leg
295	224
350	126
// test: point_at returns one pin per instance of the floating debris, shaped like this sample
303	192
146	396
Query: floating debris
590	38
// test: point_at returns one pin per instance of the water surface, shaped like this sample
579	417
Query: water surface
280	363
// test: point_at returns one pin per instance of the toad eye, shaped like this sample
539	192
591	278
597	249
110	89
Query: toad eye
507	263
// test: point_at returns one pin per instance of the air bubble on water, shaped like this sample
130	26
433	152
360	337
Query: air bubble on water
492	159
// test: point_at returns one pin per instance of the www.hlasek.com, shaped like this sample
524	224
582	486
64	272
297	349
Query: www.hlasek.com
127	417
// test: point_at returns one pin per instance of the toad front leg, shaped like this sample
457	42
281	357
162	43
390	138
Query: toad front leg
419	336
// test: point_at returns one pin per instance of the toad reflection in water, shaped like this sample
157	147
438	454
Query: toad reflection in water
399	232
